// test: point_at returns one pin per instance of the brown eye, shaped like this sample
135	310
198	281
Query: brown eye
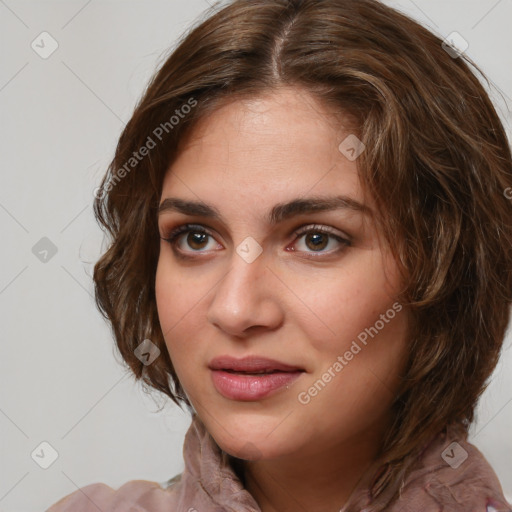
317	241
196	240
317	238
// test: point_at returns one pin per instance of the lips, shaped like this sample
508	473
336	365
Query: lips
251	378
251	364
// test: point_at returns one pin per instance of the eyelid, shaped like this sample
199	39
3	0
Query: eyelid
183	228
172	236
343	239
322	229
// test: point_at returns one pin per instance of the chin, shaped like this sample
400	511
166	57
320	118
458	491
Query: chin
252	438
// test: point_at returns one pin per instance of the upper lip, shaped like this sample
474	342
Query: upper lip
250	364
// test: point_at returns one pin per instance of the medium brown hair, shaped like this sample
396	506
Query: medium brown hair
437	162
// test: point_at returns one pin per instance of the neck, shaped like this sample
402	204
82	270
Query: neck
321	479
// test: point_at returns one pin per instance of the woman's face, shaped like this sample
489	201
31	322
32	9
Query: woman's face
241	283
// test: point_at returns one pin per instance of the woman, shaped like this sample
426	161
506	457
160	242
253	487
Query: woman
311	246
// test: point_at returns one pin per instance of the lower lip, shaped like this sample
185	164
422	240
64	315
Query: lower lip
239	386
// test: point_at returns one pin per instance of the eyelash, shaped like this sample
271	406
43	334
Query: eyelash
172	237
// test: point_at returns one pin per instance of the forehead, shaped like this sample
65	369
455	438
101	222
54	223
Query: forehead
258	152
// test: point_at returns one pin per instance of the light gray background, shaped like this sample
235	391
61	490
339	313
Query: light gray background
60	121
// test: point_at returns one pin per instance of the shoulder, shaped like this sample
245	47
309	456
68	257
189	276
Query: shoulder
133	496
454	476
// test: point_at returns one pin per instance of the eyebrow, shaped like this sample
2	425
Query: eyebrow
279	213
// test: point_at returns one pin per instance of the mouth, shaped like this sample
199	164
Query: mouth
251	378
265	372
253	365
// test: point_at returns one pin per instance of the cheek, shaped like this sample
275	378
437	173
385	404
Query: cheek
181	304
364	382
176	296
171	307
344	303
164	293
173	300
348	323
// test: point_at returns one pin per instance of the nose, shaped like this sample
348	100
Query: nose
246	298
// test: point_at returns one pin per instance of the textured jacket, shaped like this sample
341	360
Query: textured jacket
451	475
